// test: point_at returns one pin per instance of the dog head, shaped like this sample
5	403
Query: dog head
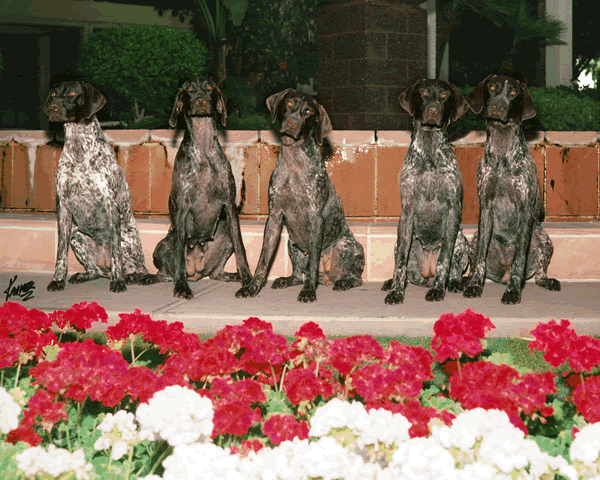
432	103
73	102
298	113
503	99
199	97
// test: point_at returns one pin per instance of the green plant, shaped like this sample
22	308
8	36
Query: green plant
139	68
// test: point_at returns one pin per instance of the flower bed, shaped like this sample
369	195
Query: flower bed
154	401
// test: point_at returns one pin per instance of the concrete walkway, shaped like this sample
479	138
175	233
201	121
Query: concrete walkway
359	311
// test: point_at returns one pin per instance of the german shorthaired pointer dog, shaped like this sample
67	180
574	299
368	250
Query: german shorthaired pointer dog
205	228
94	204
431	249
302	196
510	245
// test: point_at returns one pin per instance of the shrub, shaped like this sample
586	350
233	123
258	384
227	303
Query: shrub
140	67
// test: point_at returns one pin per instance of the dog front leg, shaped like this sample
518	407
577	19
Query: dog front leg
403	243
182	288
309	291
512	294
117	281
442	268
235	233
64	226
474	288
270	241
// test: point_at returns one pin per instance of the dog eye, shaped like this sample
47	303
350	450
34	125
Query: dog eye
492	88
513	92
290	103
209	87
443	95
72	93
53	94
190	89
309	111
425	93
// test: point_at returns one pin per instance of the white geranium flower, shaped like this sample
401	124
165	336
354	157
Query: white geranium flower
467	427
202	461
423	459
385	427
55	462
9	412
338	414
178	415
586	446
119	433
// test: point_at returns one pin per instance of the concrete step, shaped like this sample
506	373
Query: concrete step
28	244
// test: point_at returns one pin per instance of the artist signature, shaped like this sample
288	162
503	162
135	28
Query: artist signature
23	291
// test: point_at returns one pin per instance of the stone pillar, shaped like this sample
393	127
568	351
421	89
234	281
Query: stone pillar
368	53
559	58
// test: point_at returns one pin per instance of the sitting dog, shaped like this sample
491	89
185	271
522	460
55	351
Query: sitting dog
205	228
302	196
510	245
431	249
94	204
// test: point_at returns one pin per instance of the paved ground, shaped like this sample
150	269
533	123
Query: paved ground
359	311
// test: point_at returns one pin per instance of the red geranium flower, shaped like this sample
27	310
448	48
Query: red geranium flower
302	384
586	399
455	334
44	410
280	428
554	339
234	417
348	353
24	434
80	316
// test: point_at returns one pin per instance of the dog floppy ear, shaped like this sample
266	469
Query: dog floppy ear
324	127
221	105
274	100
407	98
475	98
94	100
461	106
176	108
528	105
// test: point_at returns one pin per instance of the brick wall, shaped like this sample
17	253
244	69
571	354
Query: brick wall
364	166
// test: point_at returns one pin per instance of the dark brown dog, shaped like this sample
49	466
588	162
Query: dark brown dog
510	245
431	249
302	196
205	228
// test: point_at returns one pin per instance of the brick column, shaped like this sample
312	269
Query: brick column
368	53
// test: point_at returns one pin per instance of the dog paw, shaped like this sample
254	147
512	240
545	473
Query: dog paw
182	290
117	286
56	286
511	298
394	297
285	282
550	284
553	285
455	286
307	295
247	291
434	295
473	291
387	285
344	284
80	278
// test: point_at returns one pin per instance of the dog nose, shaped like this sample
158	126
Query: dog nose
53	108
497	107
292	123
200	102
433	111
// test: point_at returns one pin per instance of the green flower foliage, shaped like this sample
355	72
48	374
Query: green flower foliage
140	67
